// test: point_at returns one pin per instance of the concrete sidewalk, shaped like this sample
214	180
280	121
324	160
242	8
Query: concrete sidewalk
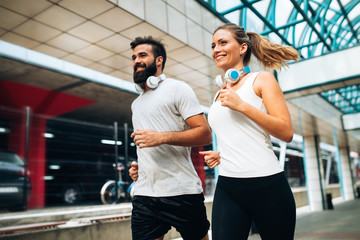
341	223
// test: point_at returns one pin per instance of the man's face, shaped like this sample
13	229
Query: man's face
143	63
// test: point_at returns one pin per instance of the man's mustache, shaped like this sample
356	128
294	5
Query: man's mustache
139	65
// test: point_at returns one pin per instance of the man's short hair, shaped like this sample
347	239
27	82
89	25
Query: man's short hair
157	46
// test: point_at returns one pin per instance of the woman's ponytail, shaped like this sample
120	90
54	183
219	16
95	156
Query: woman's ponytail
271	55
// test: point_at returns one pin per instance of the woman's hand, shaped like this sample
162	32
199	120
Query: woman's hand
229	98
212	158
134	171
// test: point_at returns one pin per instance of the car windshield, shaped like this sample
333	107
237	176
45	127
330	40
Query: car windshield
11	158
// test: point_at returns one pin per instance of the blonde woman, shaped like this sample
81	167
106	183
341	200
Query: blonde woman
246	111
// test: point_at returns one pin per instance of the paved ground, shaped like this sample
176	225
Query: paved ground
341	223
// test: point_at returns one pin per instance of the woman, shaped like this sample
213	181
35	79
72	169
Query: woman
251	184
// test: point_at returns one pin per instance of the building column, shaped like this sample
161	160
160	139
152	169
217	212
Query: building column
199	164
312	166
312	156
357	169
344	168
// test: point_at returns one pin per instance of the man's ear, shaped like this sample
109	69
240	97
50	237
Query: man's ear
159	61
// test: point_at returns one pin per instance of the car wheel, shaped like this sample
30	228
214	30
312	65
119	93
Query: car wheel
72	195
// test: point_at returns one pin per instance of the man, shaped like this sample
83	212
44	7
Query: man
167	120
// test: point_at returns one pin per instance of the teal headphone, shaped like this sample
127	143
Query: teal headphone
231	76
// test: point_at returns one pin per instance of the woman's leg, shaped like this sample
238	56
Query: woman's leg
229	219
275	212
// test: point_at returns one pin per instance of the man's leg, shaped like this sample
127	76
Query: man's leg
187	214
145	221
206	237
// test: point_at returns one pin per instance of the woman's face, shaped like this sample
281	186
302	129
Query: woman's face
226	50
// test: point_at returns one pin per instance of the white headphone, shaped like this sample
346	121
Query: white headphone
151	82
231	76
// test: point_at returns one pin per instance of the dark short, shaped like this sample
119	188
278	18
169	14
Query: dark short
152	217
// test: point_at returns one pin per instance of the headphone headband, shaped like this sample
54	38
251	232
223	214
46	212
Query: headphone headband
244	70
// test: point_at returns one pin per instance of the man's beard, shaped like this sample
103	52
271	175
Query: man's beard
142	76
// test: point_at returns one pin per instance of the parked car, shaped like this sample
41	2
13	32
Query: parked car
14	182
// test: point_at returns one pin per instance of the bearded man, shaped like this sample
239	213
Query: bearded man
167	120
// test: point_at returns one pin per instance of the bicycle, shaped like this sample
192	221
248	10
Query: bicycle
112	193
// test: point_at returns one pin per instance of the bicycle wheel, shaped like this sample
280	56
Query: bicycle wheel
108	192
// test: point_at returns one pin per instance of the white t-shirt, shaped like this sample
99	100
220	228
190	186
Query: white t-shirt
166	170
245	148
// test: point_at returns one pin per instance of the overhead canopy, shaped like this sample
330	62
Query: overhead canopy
312	27
315	28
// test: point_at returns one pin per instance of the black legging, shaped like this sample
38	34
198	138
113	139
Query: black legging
268	201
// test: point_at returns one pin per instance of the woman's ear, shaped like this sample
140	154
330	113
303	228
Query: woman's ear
243	48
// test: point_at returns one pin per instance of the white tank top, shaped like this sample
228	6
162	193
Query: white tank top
245	148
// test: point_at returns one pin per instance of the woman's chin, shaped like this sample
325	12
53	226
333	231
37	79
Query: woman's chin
220	65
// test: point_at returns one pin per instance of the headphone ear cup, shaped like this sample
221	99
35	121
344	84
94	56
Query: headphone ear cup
232	75
152	81
219	81
139	88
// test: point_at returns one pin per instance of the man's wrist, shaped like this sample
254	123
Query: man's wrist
165	137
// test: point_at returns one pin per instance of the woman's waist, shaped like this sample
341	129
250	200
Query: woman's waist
243	183
245	152
240	164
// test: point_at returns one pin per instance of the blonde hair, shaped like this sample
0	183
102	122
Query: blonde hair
271	55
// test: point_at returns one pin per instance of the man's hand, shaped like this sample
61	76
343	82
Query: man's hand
147	138
212	158
134	171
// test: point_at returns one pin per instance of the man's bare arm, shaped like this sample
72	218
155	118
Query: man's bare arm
199	134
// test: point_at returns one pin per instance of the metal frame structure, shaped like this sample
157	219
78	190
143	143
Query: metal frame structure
346	99
313	27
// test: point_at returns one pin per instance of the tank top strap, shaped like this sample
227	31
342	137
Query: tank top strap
216	95
251	79
248	84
